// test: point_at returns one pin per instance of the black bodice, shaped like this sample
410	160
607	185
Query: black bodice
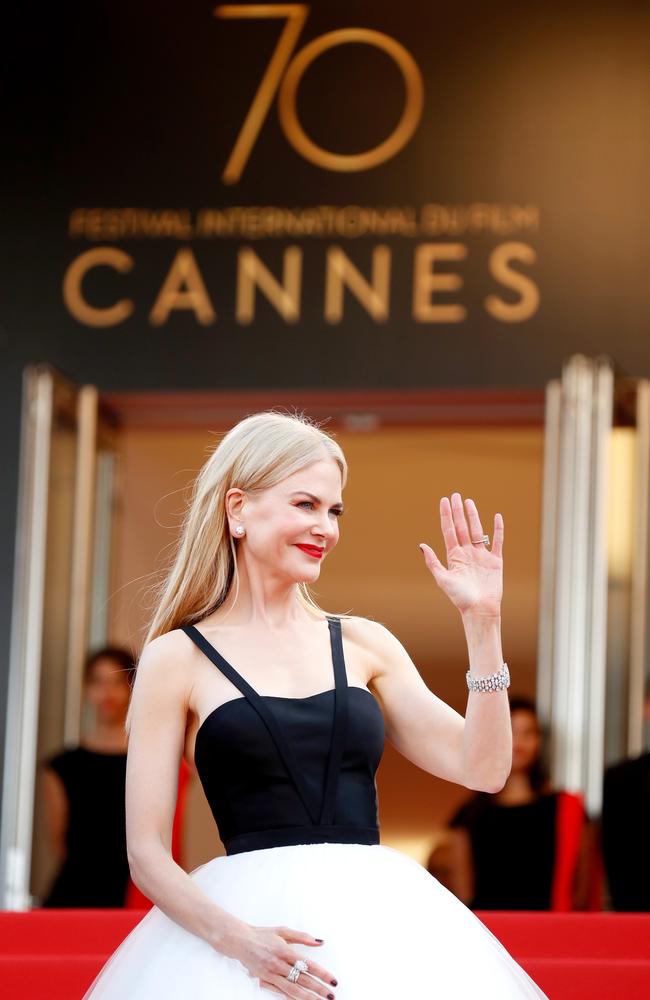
279	771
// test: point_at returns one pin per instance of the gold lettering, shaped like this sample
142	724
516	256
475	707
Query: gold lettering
296	15
373	296
527	217
130	223
183	288
346	162
170	224
73	278
499	266
252	274
477	217
76	222
426	281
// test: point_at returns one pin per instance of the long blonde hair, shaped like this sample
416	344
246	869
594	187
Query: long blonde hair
255	454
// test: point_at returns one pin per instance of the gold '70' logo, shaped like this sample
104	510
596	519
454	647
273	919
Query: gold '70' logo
283	74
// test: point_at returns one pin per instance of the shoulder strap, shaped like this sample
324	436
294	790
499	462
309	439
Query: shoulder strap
218	660
339	724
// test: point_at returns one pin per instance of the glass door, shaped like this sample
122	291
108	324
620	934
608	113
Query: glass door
594	621
59	601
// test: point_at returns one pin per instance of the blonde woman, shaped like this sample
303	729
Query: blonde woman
284	710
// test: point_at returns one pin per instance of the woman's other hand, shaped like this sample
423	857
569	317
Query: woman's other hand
266	953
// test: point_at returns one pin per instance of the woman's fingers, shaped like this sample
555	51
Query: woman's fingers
321	973
497	541
460	524
297	937
317	977
273	969
475	528
431	560
305	989
447	525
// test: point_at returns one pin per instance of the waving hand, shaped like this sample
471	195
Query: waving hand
473	578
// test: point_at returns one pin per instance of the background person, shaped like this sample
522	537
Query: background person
544	834
625	825
84	790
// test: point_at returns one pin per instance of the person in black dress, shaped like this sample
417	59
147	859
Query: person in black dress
534	822
84	789
284	709
625	827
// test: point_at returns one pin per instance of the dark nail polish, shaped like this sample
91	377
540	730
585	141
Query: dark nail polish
320	940
334	982
330	996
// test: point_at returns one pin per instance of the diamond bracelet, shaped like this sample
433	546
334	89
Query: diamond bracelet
495	682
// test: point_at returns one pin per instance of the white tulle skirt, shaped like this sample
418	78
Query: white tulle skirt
391	932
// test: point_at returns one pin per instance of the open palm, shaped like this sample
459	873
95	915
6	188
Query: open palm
473	577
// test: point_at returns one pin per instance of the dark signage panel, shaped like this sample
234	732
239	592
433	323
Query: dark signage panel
322	195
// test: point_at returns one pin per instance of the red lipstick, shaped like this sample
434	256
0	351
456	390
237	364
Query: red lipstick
312	550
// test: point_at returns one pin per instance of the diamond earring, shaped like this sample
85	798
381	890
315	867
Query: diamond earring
240	529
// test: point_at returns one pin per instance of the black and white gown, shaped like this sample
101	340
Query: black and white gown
291	785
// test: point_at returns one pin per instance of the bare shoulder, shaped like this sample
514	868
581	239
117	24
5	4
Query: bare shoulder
165	651
165	663
374	641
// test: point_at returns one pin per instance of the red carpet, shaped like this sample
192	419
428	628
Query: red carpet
55	954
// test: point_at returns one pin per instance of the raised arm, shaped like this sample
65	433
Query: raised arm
161	697
474	751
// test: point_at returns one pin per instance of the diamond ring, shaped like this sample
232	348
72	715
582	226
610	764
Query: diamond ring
296	969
